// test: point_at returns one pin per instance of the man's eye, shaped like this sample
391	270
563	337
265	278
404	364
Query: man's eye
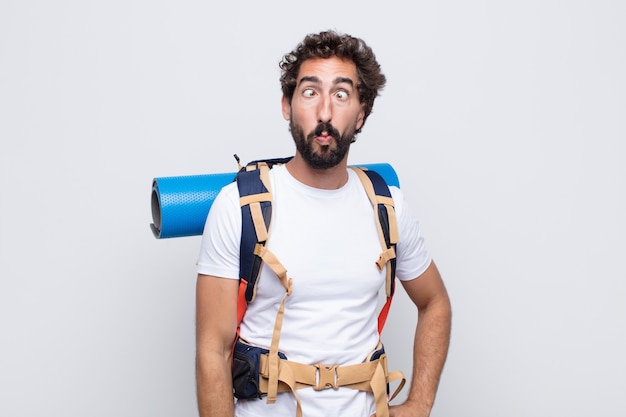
341	95
309	92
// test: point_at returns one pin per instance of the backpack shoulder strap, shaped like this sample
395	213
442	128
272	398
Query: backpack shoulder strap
256	213
256	210
380	196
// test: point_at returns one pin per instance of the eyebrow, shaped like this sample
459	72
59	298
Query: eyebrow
316	80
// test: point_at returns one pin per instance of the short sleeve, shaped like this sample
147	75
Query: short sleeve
219	248
412	257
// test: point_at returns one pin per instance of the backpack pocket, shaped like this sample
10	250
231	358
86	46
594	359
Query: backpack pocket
245	370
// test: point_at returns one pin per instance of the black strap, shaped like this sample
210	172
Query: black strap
382	189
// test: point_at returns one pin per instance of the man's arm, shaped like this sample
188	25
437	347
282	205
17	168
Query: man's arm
432	337
216	325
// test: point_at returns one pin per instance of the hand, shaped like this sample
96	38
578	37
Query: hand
408	409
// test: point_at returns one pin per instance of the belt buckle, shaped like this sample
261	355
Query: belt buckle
326	376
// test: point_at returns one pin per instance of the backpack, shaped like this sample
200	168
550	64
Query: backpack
256	211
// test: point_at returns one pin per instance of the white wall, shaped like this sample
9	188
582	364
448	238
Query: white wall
503	119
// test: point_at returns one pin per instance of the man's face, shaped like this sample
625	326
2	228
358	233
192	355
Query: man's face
325	111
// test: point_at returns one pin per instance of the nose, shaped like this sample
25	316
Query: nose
324	111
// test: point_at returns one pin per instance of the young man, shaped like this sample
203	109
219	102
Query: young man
323	231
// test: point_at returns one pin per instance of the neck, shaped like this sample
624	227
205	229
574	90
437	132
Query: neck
325	179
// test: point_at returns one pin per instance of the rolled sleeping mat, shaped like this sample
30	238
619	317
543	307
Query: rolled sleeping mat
181	204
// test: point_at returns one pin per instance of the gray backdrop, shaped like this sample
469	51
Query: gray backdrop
503	119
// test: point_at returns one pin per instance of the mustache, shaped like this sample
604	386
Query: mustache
328	128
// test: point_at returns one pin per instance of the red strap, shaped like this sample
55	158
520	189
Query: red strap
382	317
241	302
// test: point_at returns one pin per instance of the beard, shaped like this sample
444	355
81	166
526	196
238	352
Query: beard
327	156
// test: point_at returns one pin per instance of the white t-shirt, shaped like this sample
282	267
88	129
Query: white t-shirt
328	242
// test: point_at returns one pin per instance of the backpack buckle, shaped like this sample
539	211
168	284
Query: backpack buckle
326	377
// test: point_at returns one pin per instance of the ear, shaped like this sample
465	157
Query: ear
286	107
360	118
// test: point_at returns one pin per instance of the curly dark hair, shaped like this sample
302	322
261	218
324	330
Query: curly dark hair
326	45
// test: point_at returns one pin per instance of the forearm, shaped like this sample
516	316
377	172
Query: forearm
216	324
214	385
432	338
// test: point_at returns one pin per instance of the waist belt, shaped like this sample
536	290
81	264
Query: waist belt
371	376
